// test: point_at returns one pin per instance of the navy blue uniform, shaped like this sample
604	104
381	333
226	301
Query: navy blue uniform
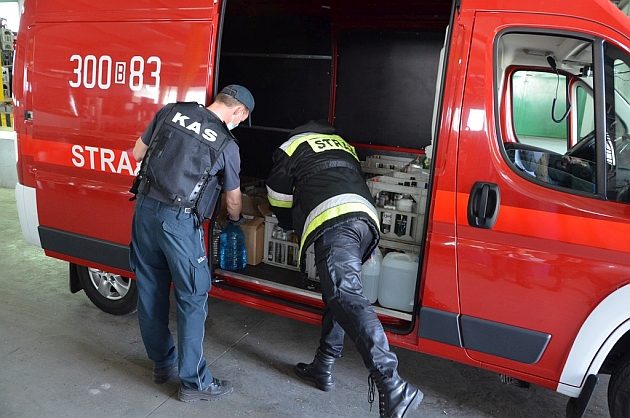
167	247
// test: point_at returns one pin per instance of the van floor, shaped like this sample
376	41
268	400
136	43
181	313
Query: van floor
279	275
62	357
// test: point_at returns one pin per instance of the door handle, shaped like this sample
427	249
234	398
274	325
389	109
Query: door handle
483	205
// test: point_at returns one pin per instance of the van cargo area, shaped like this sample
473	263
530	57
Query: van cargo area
369	68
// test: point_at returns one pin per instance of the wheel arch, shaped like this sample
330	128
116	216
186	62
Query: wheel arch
603	336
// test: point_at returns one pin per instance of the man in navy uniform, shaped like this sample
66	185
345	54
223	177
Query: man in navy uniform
188	151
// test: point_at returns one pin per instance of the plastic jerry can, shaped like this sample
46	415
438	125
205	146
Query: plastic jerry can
232	250
397	284
370	275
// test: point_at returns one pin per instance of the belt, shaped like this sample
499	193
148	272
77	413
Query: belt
172	205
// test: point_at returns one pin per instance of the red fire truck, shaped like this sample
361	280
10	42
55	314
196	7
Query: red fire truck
523	243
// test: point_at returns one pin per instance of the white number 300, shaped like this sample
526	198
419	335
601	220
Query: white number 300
91	72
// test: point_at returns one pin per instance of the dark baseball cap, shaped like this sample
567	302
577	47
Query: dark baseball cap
241	94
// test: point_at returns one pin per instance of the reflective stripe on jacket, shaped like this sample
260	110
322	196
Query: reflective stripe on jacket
316	182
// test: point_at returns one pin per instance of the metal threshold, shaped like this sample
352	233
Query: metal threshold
304	293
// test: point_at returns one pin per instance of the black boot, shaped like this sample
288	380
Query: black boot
395	396
318	372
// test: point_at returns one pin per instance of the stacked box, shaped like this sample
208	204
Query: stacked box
418	178
370	171
398	223
283	250
400	226
388	162
254	231
281	247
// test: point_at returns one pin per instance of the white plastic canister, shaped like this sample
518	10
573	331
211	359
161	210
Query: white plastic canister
398	281
370	275
404	204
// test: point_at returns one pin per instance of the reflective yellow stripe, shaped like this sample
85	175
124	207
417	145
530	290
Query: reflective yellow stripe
299	141
274	196
280	203
332	213
320	143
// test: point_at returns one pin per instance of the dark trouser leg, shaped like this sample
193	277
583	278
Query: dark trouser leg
183	245
331	341
153	280
338	255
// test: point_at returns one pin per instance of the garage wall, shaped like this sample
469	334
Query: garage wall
8	173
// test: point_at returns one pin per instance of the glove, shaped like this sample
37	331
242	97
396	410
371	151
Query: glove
240	220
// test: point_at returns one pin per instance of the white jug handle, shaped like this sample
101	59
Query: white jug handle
401	256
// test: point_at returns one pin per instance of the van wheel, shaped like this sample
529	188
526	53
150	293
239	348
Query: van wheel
112	293
619	390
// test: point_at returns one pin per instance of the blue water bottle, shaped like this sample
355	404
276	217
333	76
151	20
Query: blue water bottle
232	251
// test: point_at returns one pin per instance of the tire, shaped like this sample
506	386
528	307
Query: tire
111	293
619	390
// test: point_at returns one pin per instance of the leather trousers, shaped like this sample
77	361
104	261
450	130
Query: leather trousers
338	255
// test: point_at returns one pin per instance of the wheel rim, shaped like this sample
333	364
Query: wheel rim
110	286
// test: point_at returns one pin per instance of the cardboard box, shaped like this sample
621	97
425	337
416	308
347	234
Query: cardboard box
254	230
253	206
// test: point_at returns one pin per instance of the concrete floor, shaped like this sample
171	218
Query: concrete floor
62	357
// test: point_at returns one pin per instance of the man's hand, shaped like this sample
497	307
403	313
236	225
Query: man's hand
234	203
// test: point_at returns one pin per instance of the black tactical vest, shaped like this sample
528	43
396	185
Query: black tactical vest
176	168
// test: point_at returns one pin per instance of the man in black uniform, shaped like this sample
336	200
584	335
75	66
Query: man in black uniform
317	188
186	151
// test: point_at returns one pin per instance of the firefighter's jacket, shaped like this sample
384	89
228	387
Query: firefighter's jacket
316	183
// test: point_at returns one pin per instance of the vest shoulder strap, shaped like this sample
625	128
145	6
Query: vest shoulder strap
206	175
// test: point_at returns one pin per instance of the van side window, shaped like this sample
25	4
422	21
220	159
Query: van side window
617	66
533	124
546	92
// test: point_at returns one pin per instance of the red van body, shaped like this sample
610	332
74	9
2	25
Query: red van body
525	277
